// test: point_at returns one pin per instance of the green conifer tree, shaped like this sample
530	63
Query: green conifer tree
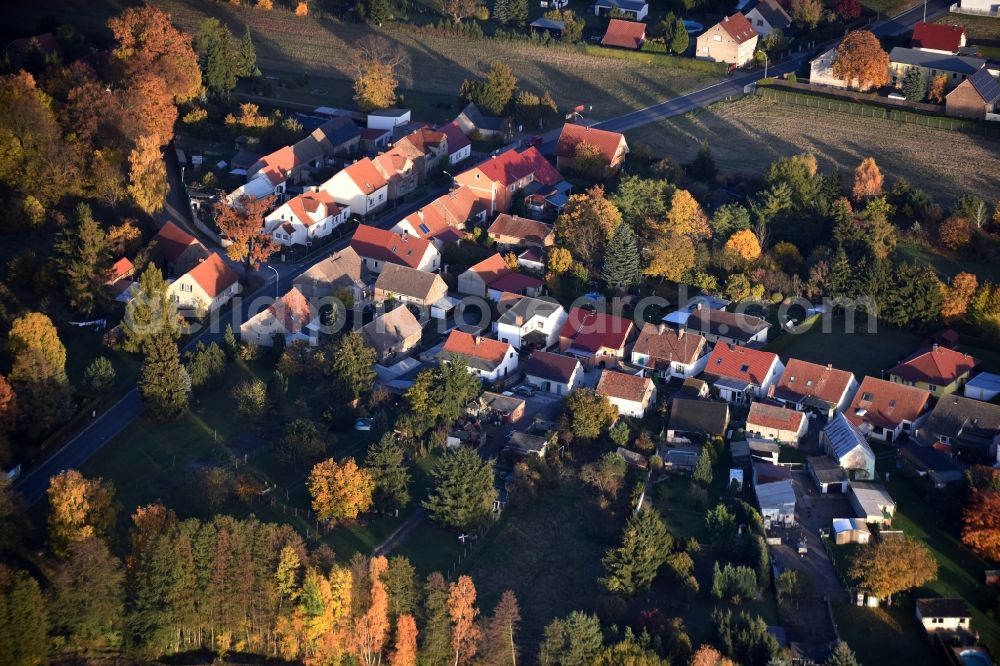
163	383
644	548
621	259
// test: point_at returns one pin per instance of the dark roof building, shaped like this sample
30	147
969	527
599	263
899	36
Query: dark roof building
706	417
553	367
971	427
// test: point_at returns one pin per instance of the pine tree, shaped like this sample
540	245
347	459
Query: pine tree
246	56
463	492
219	65
517	12
679	37
842	655
82	257
88	600
703	167
150	311
353	363
436	647
914	84
621	259
163	383
386	462
633	565
703	469
24	622
38	373
501	12
379	11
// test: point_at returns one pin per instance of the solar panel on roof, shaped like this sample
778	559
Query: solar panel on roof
986	85
424	228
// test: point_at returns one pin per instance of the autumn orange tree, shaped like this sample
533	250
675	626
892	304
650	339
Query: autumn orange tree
8	417
957	295
686	217
465	633
938	88
372	626
586	224
981	523
955	232
860	61
378	67
79	508
241	223
868	180
405	652
146	42
893	565
340	491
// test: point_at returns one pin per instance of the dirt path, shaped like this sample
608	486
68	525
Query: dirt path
399	536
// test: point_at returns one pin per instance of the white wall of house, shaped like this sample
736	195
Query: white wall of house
301	234
262	331
188	295
631	407
679	370
504	369
460	155
557	388
550	326
346	192
430	262
932	624
778	434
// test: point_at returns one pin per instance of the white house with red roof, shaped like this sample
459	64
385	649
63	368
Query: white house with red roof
777	423
553	373
938	37
732	40
178	249
885	410
596	339
496	180
303	219
377	247
740	374
490	359
631	395
810	387
206	287
360	186
291	316
444	219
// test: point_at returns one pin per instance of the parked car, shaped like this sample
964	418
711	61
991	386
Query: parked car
363	424
526	391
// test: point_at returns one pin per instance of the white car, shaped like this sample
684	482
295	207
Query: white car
363	424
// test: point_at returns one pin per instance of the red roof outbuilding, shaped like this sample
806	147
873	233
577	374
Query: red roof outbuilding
624	34
938	37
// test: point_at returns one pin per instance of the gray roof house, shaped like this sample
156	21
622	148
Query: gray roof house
471	119
844	442
971	427
700	417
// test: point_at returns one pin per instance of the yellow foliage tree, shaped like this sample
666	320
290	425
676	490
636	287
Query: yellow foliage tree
372	627
405	653
379	68
560	260
147	175
79	508
266	5
670	256
861	61
462	610
939	85
687	218
892	566
868	179
742	247
340	490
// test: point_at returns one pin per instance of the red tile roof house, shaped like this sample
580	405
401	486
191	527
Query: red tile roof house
612	146
810	387
491	277
884	410
553	373
597	339
377	247
291	316
427	148
630	394
491	359
670	353
361	186
938	369
497	179
732	40
515	231
624	34
205	288
178	249
786	426
445	219
304	218
741	374
938	37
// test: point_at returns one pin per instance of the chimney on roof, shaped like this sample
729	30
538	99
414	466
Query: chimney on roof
479	339
732	346
662	328
698	305
829	366
680	333
934	347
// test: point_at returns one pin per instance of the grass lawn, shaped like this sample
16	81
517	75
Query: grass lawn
549	552
883	635
747	135
946	265
83	345
151	462
860	352
960	572
976	27
319	46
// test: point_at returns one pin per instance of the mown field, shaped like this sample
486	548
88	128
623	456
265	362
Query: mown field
319	46
976	27
750	133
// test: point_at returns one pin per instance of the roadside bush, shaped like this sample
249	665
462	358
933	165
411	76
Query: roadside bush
100	375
